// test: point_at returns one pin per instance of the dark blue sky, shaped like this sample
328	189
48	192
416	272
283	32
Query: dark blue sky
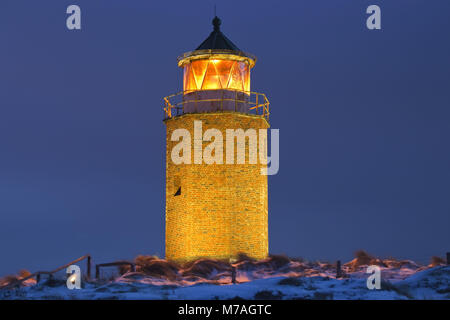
364	119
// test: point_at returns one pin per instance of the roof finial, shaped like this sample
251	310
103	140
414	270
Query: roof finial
216	23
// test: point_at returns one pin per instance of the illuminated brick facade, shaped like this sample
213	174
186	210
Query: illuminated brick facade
215	210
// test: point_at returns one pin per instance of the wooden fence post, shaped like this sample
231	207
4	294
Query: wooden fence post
338	269
97	271
89	267
233	274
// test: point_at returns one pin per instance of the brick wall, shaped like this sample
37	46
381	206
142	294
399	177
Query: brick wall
222	209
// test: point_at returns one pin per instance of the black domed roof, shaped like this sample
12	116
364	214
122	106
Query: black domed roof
217	40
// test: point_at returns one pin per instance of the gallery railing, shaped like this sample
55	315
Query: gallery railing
216	101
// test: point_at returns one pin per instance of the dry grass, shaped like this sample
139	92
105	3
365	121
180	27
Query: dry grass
11	278
204	268
8	279
279	261
274	262
437	261
155	267
363	258
211	269
24	273
394	263
142	260
243	257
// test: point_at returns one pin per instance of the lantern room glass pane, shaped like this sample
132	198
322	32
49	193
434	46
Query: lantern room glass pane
245	74
211	80
189	80
199	70
223	68
235	79
186	70
216	74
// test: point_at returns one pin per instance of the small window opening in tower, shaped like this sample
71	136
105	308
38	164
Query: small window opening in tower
177	186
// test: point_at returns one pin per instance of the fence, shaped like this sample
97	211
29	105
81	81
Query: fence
111	264
38	274
87	257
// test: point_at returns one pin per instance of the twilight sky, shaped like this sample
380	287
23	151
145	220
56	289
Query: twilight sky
364	119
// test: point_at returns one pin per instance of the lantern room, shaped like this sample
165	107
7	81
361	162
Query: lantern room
216	77
216	64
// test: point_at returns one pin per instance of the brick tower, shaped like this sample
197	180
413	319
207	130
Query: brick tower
216	210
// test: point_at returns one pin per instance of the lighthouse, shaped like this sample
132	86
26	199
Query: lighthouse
216	208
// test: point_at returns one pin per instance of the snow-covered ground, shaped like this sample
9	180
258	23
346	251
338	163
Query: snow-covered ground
288	280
